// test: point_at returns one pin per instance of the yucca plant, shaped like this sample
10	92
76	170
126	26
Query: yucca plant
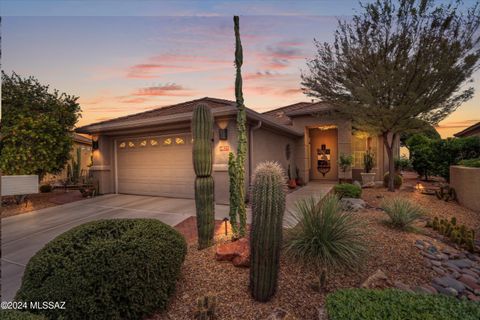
325	236
401	212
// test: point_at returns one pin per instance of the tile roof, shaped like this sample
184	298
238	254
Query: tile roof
465	132
283	114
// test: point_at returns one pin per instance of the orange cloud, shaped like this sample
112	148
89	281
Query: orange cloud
169	89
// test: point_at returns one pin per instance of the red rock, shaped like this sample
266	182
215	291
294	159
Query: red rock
237	251
473	297
470	281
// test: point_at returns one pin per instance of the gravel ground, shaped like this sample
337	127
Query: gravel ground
391	251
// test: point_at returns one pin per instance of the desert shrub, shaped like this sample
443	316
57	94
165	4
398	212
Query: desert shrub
348	190
401	212
397	181
325	236
6	314
475	163
366	304
44	188
107	269
401	163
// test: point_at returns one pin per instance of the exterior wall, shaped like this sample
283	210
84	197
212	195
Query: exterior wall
86	152
103	164
271	146
303	146
465	181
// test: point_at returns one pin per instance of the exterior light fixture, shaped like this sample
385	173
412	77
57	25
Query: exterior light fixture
94	143
225	220
223	134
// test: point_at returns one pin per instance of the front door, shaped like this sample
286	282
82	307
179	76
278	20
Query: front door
324	154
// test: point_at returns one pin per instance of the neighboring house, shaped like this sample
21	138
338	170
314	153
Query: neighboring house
79	142
472	131
150	153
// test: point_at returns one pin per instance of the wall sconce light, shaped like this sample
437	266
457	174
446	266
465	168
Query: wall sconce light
94	143
225	220
223	134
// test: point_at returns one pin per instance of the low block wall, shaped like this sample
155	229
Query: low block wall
466	182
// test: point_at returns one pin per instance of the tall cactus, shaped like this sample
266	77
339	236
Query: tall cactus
202	131
238	164
232	174
268	207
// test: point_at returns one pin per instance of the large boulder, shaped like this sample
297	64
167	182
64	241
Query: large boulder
352	204
236	251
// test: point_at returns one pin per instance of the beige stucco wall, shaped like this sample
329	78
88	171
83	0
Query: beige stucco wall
103	168
465	181
86	152
271	146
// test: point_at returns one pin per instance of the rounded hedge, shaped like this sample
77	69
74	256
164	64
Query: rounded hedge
347	190
397	181
7	314
107	269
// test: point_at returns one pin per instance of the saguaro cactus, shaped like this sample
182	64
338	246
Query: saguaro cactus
202	131
237	165
268	206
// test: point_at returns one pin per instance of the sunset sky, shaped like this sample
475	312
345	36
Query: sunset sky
123	57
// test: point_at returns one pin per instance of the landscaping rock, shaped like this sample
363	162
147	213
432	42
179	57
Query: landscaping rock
440	271
445	291
402	286
436	263
352	204
237	251
280	314
377	280
470	282
473	297
425	289
462	263
470	272
357	183
450	282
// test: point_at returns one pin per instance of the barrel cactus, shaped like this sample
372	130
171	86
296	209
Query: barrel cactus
268	206
202	131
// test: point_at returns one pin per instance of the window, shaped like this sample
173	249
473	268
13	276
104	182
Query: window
143	143
131	144
361	142
179	140
153	142
167	142
122	145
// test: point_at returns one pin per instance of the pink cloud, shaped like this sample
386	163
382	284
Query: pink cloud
169	89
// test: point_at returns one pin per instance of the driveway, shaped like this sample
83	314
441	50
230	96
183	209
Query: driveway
23	235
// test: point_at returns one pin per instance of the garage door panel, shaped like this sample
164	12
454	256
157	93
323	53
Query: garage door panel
155	170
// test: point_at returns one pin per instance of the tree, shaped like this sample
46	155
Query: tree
428	130
422	154
395	66
36	126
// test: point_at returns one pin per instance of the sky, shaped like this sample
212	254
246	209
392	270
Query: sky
123	57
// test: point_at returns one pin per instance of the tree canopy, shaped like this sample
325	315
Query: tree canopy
397	65
36	128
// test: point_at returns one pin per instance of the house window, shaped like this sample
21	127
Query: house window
153	142
143	143
131	144
167	142
179	140
361	142
122	145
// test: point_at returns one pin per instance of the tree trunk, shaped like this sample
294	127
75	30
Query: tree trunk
391	160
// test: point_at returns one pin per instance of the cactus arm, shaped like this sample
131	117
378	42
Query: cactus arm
232	173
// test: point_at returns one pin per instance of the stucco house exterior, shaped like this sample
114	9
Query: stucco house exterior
150	153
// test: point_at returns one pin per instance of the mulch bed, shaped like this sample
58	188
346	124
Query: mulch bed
39	201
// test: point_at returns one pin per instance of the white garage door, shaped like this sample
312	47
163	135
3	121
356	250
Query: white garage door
158	166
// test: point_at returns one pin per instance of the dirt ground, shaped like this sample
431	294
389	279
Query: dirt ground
38	201
390	250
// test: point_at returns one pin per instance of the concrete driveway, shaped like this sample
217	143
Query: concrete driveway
23	235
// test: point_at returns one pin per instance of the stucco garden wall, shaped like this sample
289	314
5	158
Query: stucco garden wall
466	182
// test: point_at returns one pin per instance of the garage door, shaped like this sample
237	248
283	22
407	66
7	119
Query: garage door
158	166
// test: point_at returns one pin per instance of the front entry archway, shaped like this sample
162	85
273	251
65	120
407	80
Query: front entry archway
324	153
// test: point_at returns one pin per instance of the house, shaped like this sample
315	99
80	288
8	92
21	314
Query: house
149	153
472	131
82	143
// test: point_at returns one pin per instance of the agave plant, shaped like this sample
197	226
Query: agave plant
401	212
325	236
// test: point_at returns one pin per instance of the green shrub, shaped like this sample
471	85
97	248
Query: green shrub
402	212
19	315
475	163
107	269
325	236
401	163
44	188
397	181
366	304
348	190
